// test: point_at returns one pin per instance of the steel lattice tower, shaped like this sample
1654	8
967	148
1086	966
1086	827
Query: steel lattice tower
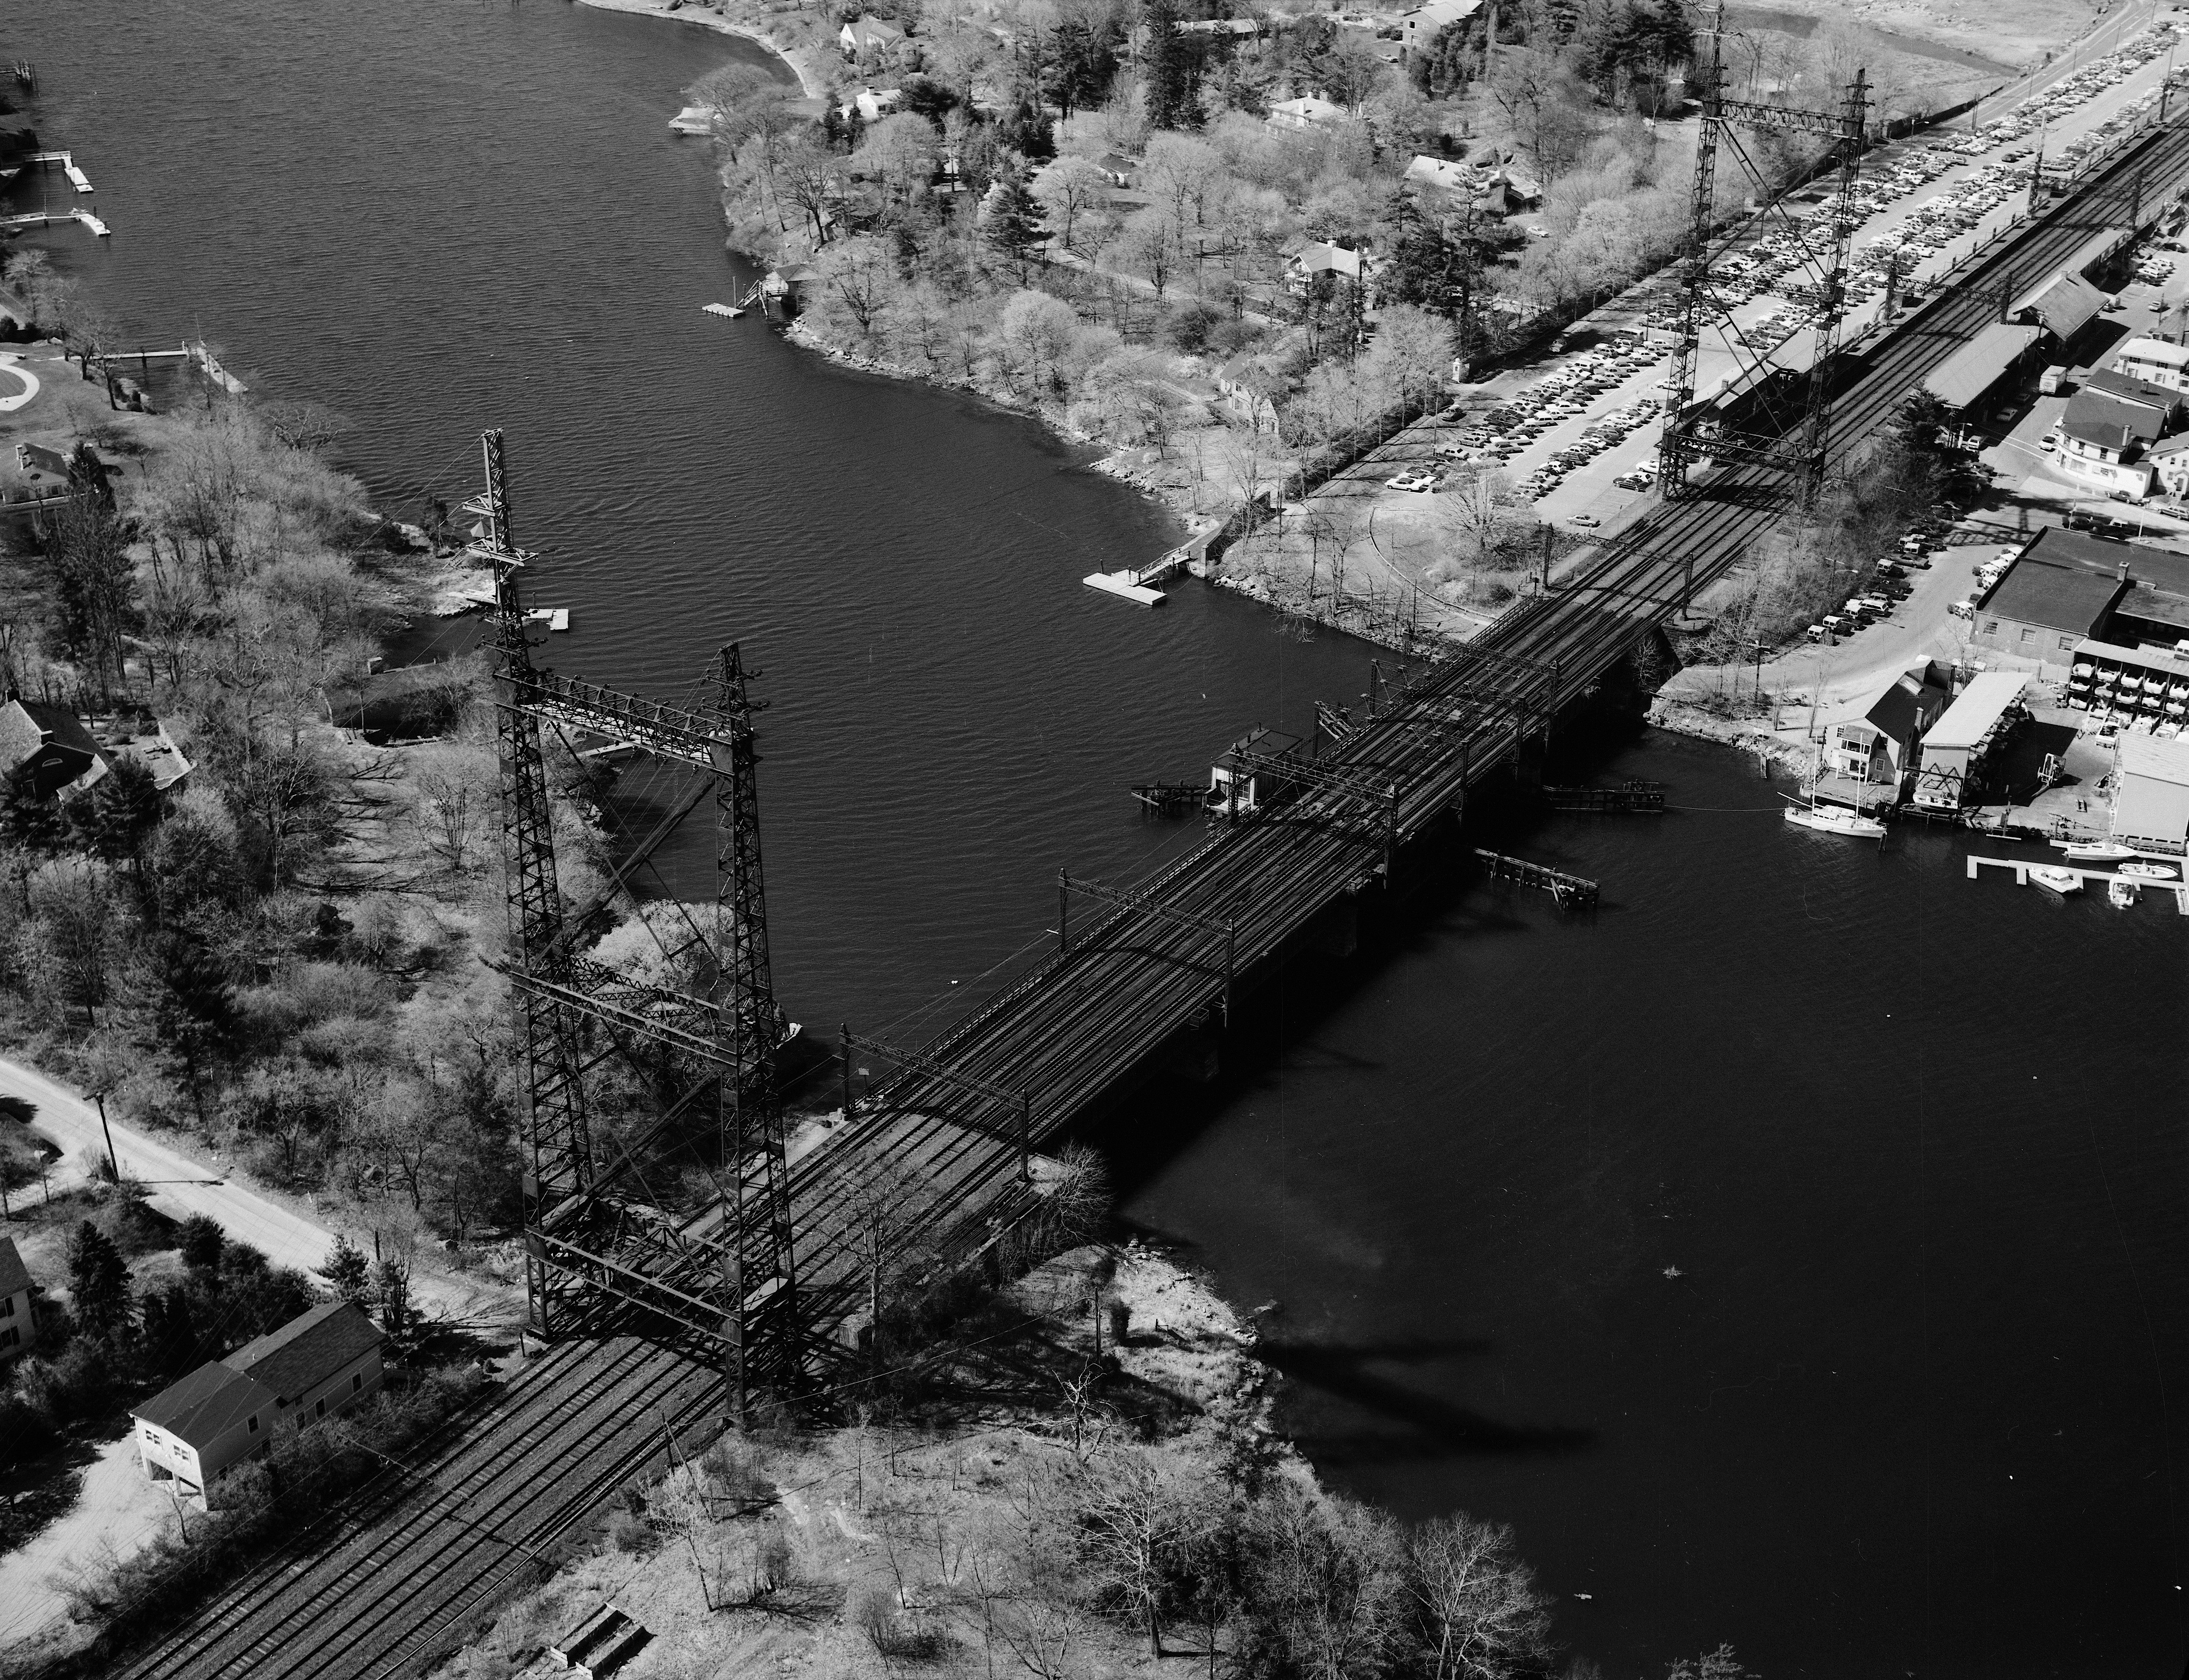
592	1227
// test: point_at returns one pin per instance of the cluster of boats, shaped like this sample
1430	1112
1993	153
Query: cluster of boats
2130	868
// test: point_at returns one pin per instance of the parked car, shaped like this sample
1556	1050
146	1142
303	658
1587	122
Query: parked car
1420	483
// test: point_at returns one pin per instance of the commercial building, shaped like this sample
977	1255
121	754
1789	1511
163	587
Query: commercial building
1879	746
2102	439
2150	800
194	1430
2067	587
1957	754
19	1327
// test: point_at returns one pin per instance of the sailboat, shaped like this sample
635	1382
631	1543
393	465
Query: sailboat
1831	819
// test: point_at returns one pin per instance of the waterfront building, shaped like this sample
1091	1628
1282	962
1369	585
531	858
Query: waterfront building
2102	439
18	1324
2150	796
1958	753
197	1429
1879	746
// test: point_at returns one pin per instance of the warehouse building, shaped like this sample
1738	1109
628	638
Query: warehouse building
2067	587
1958	751
2151	801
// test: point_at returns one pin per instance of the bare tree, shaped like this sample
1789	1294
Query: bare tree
1481	1612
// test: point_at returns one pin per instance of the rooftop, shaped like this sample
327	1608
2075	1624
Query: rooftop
307	1350
2096	417
1972	717
1977	365
2066	303
2129	388
2154	350
2148	756
14	1275
206	1404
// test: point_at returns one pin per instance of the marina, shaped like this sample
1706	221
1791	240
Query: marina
2067	877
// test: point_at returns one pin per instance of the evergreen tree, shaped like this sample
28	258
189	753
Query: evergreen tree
118	815
170	1330
394	1290
1016	226
202	1242
99	1282
347	1273
194	1010
1168	68
1084	66
27	823
1029	132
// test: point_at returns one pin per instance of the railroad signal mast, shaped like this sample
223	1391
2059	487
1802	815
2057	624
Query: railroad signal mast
595	1232
1802	446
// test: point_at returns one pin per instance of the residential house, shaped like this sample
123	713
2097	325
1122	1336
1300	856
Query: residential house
1446	175
2156	362
1249	393
1308	111
1879	746
873	105
47	750
18	1324
1321	257
1419	28
863	36
197	1429
2102	440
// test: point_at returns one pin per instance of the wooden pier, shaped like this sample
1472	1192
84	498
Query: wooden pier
77	177
1643	797
1170	799
2022	866
1569	892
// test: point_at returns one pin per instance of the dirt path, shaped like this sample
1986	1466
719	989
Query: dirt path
116	1510
179	1186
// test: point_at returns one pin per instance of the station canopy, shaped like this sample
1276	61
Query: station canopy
1960	381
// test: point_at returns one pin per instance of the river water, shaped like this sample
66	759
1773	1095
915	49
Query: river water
1912	1146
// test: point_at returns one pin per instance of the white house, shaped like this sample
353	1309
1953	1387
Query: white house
868	35
194	1430
1249	393
2102	437
1421	26
2155	361
1443	174
18	1327
1308	111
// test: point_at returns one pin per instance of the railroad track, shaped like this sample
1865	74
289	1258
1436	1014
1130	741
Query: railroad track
371	1592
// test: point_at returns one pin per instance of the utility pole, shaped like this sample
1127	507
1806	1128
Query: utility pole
113	1164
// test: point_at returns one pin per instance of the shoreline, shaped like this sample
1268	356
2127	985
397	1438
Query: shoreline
810	82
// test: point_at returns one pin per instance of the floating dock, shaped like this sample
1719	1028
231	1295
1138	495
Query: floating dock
77	177
731	310
1126	586
41	218
2022	866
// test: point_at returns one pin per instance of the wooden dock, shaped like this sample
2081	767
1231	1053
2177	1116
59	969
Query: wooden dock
2022	866
77	177
1643	797
1569	892
1170	799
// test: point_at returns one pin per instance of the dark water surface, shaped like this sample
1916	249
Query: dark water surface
1914	1146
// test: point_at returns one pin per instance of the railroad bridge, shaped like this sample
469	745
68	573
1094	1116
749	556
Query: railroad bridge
716	1225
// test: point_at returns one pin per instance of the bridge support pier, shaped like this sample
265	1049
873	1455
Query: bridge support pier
1337	932
1196	1054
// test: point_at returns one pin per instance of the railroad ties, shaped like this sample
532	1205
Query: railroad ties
1641	797
1569	892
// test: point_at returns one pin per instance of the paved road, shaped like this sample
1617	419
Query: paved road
179	1186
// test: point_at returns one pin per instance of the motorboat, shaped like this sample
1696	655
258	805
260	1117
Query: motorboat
2122	893
1835	819
2061	881
2095	852
2150	871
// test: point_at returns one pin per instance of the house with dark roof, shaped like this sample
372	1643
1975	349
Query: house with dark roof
1879	746
194	1430
2155	361
47	750
2102	437
19	1327
2125	387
